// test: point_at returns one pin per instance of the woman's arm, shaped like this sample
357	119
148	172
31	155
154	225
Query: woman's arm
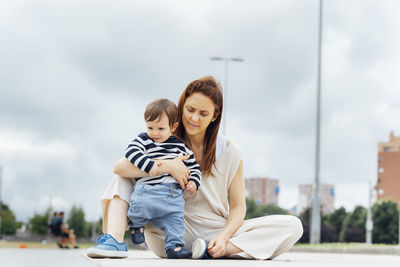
125	168
175	167
237	212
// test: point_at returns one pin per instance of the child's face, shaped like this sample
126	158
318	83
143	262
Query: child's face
159	129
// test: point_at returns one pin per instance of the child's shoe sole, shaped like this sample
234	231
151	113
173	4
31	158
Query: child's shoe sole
199	247
102	253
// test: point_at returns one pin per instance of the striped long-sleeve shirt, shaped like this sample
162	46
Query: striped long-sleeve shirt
142	150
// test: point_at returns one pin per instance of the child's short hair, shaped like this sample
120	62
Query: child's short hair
157	107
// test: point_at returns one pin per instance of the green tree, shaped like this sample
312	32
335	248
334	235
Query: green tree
353	228
328	233
77	221
270	209
305	220
336	218
386	222
251	207
253	210
39	223
89	228
8	223
99	226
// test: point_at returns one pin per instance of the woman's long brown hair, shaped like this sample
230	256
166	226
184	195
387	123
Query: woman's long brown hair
208	86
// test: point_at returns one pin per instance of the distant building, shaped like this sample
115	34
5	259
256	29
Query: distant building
293	210
388	182
262	190
327	198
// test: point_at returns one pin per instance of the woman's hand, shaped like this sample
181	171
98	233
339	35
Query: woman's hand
177	169
216	247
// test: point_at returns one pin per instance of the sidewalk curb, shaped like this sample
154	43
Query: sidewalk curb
357	250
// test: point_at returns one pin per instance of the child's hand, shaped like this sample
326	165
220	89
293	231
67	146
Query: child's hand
191	187
154	170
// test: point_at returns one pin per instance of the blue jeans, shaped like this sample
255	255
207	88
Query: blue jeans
162	205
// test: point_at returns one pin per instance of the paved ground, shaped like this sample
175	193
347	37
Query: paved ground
77	258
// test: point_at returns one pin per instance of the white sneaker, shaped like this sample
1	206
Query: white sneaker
199	249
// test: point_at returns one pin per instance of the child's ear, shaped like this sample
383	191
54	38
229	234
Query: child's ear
174	126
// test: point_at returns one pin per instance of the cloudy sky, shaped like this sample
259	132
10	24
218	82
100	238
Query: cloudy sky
75	77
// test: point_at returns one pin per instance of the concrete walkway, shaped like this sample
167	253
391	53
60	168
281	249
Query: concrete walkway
356	249
77	258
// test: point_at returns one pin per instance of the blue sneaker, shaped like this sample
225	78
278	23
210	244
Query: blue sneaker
107	247
199	249
101	239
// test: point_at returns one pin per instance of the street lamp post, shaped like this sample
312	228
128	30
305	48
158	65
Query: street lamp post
225	89
1	204
369	224
315	233
399	225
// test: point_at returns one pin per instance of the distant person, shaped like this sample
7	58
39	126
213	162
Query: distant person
214	216
55	228
67	235
59	229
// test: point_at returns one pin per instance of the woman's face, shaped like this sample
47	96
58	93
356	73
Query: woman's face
198	113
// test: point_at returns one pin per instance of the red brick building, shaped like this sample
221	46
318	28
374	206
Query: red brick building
262	190
388	183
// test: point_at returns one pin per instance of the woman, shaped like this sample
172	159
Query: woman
216	212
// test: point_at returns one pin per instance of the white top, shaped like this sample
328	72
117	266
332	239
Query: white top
206	211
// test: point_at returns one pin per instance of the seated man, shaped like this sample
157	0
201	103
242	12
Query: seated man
67	235
59	228
55	227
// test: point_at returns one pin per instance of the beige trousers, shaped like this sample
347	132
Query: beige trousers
259	238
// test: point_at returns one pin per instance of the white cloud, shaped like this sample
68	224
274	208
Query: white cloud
26	143
76	77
